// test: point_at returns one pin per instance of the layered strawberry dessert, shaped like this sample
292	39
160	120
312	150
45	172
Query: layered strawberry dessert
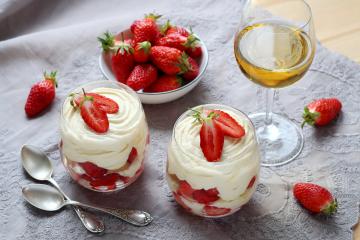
104	136
213	160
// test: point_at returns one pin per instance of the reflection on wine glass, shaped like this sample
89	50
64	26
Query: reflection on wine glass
274	48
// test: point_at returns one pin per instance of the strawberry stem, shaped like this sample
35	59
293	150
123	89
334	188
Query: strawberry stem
200	118
107	42
309	117
330	208
165	27
154	16
51	77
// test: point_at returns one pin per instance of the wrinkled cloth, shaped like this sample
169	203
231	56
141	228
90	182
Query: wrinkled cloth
38	35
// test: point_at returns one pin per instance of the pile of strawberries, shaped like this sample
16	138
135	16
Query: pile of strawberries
155	59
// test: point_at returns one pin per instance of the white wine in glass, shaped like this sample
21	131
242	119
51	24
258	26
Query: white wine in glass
275	50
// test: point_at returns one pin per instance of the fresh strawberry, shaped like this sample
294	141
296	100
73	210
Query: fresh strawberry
321	112
178	41
195	51
142	52
185	189
315	198
206	196
41	95
145	29
215	211
93	170
92	114
211	136
107	105
181	202
142	76
165	83
168	29
193	70
174	40
251	183
228	124
122	59
169	60
132	156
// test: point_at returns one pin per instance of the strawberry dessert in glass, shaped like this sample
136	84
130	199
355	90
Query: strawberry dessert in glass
213	160
104	136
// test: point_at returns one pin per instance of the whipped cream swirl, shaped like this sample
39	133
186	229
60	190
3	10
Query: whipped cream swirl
127	129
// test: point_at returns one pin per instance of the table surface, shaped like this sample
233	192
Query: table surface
40	35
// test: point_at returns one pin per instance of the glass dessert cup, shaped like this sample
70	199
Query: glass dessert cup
212	189
109	161
274	48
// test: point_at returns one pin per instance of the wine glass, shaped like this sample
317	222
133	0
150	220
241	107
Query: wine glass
274	47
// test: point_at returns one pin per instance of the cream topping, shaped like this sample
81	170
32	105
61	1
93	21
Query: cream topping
110	150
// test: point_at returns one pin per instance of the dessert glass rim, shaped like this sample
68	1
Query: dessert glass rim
217	106
105	83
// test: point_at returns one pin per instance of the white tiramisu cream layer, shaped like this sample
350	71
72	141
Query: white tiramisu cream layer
240	162
127	129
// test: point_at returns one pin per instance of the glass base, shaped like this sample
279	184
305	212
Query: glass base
280	142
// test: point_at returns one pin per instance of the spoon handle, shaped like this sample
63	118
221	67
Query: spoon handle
136	217
90	221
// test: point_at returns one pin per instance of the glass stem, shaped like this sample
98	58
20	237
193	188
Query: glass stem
270	93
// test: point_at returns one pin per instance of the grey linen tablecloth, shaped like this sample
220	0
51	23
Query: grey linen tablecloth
47	35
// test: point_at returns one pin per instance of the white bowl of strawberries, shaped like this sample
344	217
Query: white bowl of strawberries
160	62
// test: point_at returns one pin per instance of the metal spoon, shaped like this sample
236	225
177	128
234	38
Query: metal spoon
38	166
50	199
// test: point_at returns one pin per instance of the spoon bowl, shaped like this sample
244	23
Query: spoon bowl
43	197
36	163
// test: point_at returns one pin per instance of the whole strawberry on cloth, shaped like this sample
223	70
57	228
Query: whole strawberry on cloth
121	55
321	112
315	198
41	95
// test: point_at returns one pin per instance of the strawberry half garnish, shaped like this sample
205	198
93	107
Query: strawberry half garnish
215	211
315	198
211	136
107	105
228	124
211	140
93	115
321	112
